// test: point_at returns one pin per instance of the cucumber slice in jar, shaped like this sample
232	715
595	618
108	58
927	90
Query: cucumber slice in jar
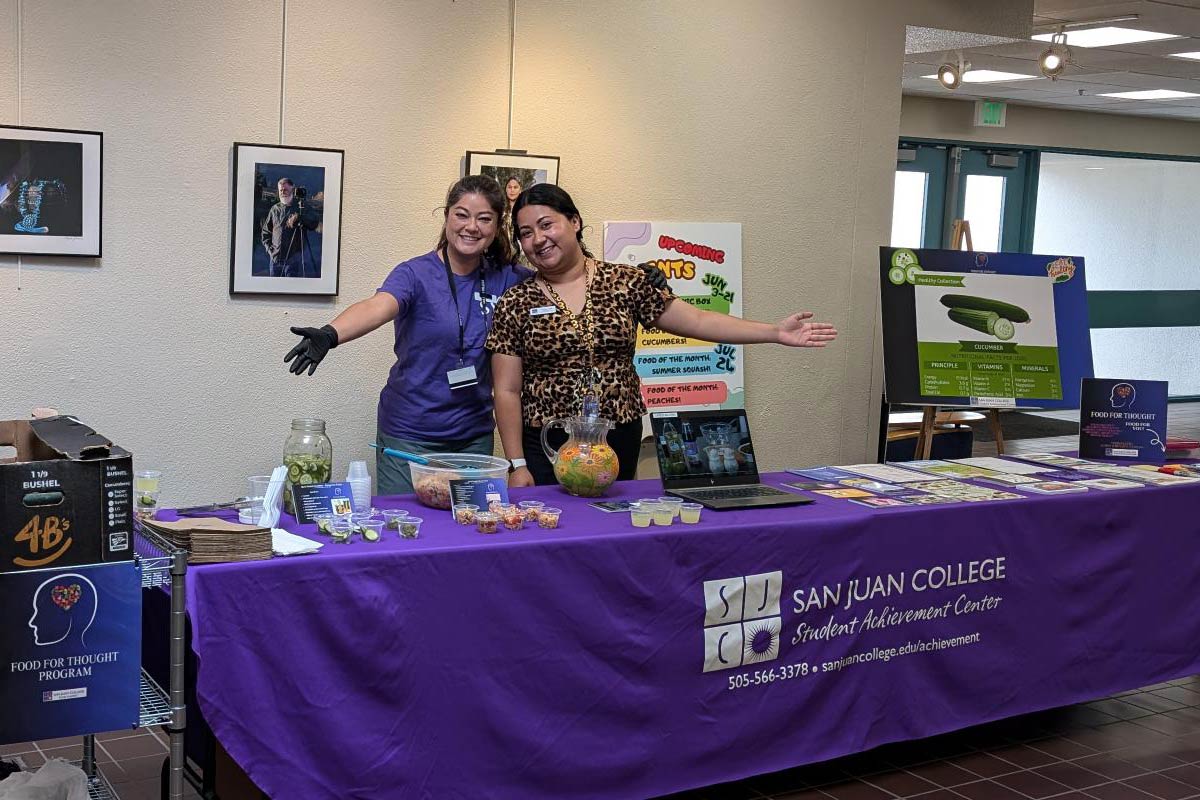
1004	329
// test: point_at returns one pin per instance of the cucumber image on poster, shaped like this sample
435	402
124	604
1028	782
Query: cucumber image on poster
970	303
988	322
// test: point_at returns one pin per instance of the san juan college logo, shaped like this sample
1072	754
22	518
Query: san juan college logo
741	621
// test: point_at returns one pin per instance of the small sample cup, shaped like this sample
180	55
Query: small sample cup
487	522
672	503
341	530
324	523
689	513
513	517
410	527
371	530
640	515
548	517
392	517
531	508
662	514
465	514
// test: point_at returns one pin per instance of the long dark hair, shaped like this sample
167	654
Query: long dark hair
549	195
501	251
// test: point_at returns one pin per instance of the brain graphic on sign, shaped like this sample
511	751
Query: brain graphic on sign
63	607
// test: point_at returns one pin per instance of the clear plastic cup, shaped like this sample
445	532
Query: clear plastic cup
359	517
531	509
249	516
487	522
662	514
465	514
259	484
640	515
371	530
341	530
689	513
672	503
146	485
324	523
392	517
548	517
410	527
513	517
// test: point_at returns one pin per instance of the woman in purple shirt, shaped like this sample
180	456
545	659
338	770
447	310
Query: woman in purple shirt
438	396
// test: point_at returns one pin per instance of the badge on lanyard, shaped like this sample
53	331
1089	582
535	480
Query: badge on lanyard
462	377
540	310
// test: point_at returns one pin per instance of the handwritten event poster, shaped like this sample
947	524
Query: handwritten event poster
703	262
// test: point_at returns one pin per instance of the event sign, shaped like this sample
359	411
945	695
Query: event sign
703	264
984	329
71	649
1123	420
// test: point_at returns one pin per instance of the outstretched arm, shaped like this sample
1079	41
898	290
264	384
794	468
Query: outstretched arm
795	330
365	316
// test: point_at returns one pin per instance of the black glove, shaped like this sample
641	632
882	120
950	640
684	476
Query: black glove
312	348
655	275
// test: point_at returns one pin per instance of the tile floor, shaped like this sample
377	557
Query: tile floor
1137	745
131	760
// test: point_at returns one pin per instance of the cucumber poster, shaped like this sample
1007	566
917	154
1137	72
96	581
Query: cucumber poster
984	329
703	264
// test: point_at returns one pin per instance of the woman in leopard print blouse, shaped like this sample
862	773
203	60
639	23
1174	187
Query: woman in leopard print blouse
571	330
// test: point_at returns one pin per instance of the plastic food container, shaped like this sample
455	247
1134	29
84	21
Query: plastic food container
487	522
513	516
531	509
639	515
548	517
465	514
689	513
392	517
432	484
672	503
371	530
410	527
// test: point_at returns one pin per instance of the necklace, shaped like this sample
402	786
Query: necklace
582	323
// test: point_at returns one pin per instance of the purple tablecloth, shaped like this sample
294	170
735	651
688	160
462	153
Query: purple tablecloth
572	663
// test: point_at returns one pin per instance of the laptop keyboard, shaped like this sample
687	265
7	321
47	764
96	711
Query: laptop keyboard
734	492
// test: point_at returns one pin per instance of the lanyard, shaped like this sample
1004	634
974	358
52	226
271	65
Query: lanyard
462	323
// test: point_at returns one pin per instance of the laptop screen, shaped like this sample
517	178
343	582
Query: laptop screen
703	448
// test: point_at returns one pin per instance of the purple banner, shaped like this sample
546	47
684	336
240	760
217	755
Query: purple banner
603	661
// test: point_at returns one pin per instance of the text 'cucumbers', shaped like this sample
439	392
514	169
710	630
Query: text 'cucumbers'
988	322
967	302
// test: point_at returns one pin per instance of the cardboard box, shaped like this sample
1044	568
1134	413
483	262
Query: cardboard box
66	499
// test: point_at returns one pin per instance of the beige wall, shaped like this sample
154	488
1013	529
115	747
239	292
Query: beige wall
936	118
698	110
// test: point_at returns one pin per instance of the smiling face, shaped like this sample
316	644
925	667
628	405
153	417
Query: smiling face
287	191
512	189
549	238
470	226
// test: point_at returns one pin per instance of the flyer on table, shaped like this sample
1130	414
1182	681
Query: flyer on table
1123	419
703	264
984	329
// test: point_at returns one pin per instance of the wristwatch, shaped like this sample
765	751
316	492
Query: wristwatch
517	463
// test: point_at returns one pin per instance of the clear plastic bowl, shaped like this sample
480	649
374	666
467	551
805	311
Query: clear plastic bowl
432	484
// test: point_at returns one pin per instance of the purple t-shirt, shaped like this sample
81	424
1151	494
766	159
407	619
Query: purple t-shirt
417	402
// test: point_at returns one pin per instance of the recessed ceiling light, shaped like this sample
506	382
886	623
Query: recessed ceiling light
1092	168
1195	55
988	76
1150	94
1108	37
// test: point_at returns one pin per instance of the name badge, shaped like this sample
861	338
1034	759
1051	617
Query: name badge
462	377
490	299
540	310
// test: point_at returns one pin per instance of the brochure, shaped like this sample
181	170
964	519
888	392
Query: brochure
928	499
842	493
880	502
885	473
872	486
1001	479
1111	483
822	473
1053	487
950	469
1004	465
1053	459
320	498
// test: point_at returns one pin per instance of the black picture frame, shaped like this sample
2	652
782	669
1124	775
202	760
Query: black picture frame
304	255
51	192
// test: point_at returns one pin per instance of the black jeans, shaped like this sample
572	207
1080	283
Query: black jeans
625	439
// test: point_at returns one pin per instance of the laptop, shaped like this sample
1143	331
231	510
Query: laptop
707	457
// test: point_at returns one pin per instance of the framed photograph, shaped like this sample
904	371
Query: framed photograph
50	198
287	220
520	169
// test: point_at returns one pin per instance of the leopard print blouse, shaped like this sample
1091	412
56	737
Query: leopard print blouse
554	357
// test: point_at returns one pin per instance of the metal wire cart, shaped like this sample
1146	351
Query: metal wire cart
164	567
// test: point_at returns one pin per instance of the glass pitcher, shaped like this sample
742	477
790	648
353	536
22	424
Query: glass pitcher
585	465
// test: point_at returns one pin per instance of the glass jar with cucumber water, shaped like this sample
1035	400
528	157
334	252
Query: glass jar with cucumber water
308	456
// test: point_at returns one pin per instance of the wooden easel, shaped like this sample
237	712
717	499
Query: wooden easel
960	233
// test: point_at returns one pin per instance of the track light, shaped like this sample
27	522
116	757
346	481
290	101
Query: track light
1054	60
951	75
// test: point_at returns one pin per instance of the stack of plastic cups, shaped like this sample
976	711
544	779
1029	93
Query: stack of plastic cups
360	485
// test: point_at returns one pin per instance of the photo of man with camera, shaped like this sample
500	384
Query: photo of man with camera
290	233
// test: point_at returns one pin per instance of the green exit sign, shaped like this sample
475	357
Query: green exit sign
990	113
